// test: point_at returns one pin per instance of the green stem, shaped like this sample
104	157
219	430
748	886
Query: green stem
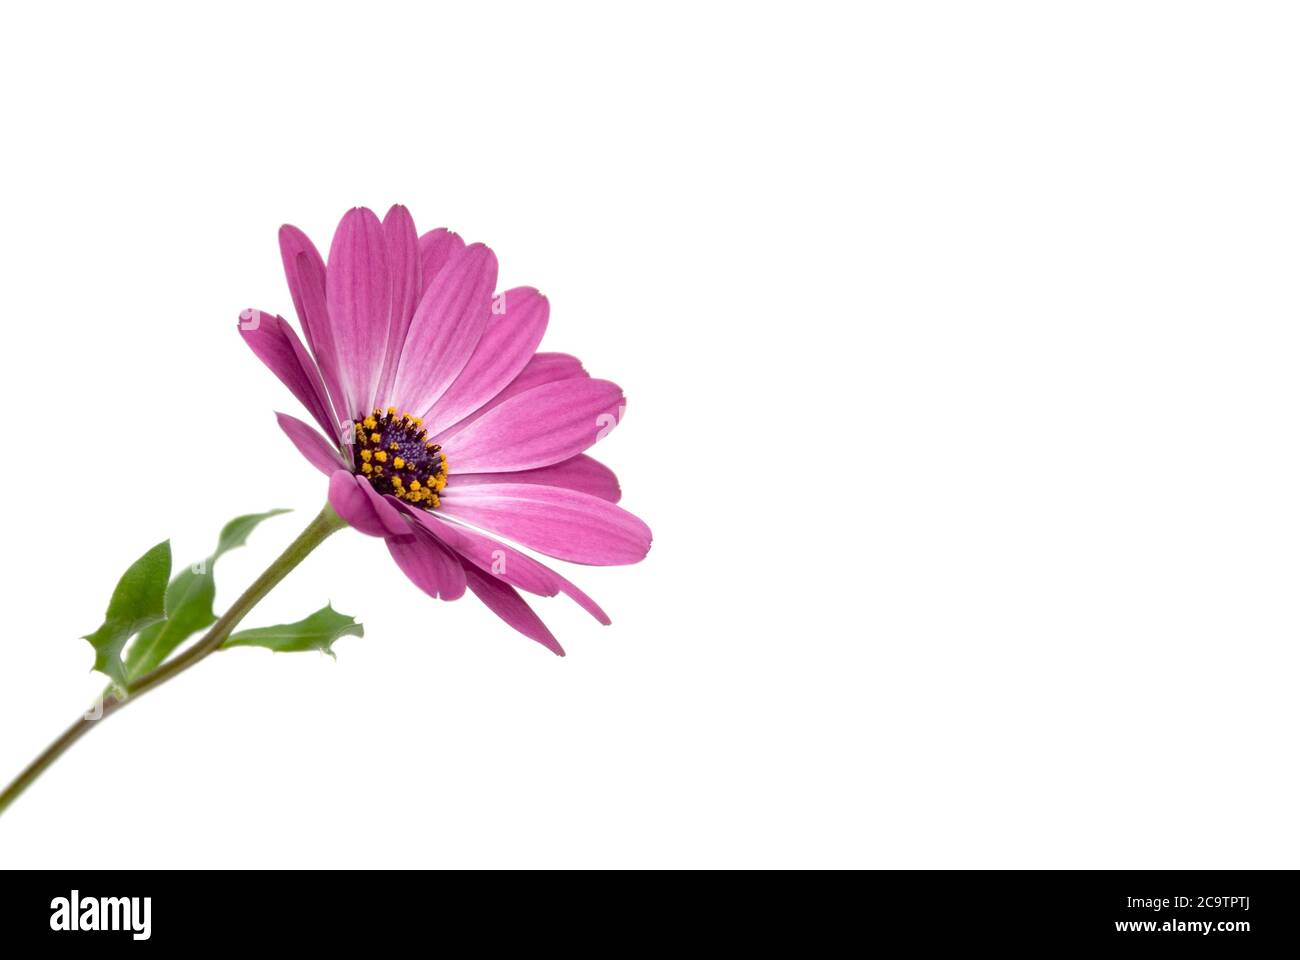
326	523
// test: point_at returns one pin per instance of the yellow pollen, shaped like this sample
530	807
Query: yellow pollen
394	453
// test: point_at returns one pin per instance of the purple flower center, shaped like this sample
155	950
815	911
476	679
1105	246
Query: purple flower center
394	453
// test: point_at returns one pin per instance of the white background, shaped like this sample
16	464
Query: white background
961	351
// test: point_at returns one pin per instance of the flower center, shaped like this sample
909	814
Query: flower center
394	453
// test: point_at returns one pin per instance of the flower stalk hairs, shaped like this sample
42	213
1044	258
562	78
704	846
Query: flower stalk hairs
438	427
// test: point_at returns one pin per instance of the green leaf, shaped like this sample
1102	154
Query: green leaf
188	603
235	533
137	602
317	632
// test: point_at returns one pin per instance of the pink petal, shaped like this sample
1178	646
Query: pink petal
560	523
436	248
447	326
429	565
510	607
404	267
303	268
305	271
581	473
311	445
355	501
513	331
358	294
277	346
505	562
385	508
542	368
537	428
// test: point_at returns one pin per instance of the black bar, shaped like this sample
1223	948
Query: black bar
1233	910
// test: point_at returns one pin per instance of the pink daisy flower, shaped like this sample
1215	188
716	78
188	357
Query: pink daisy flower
440	423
